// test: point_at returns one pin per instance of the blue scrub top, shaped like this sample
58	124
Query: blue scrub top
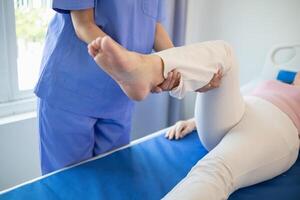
70	79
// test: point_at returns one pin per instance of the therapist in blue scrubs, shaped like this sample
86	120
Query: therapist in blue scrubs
82	111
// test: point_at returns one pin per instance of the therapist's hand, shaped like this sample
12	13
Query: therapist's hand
181	129
163	42
213	84
171	82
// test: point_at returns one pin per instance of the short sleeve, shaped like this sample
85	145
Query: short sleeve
161	16
65	6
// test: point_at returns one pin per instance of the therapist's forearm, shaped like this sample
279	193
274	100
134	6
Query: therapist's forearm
85	26
162	38
88	33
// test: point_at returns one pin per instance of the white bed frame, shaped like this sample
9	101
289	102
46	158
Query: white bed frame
272	66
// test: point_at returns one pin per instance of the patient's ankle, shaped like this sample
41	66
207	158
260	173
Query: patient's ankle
156	63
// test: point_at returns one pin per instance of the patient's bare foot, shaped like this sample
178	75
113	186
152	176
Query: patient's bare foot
135	73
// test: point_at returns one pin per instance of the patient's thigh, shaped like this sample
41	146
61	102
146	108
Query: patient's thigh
218	110
261	146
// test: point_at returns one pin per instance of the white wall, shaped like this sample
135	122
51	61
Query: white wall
251	26
19	157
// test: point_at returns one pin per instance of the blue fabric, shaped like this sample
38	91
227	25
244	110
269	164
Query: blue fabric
286	76
64	6
69	78
145	171
67	138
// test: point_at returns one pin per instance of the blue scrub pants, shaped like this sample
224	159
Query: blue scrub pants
67	138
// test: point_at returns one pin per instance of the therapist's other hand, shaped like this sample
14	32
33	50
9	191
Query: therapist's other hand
169	83
213	84
181	129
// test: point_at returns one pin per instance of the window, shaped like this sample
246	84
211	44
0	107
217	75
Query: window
23	26
32	18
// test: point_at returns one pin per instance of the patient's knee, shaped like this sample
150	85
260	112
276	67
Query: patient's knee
227	47
228	58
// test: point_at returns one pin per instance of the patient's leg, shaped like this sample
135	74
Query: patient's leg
137	74
217	111
253	151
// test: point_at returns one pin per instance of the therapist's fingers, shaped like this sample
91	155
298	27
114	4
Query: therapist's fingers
214	83
205	88
164	84
162	87
172	81
156	90
175	80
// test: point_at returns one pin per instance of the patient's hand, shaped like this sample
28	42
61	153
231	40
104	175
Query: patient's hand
169	83
214	83
181	129
297	79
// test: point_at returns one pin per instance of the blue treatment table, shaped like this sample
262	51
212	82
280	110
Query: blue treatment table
146	169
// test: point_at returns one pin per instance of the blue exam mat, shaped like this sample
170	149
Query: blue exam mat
145	171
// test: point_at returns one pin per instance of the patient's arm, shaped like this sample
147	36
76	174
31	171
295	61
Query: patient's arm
181	129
